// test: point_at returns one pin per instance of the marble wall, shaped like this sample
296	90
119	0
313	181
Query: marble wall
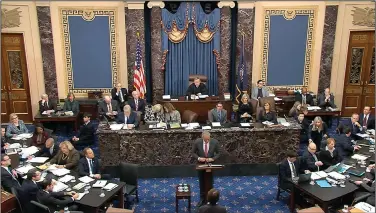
246	21
47	47
134	21
329	34
156	57
224	64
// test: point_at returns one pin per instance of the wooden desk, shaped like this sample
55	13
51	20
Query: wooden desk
201	107
54	118
8	202
321	113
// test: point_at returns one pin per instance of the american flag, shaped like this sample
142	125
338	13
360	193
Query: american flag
139	80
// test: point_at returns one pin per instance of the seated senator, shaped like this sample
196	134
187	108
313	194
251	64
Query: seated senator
171	114
108	108
267	114
45	104
295	110
311	158
86	133
30	186
137	104
290	168
39	137
212	206
70	104
354	126
9	176
329	156
90	166
49	149
128	117
245	110
218	114
197	88
67	157
326	99
16	126
154	113
4	141
305	98
367	120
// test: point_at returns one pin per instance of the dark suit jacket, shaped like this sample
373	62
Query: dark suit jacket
44	107
208	208
102	107
310	161
214	117
193	90
344	145
124	93
285	171
45	152
304	125
309	98
198	149
83	167
73	106
370	121
322	103
271	117
354	129
317	136
132	119
30	189
72	160
328	160
371	190
55	201
3	141
141	105
86	134
7	181
42	141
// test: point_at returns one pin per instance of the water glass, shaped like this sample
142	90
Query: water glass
102	193
73	179
345	208
87	189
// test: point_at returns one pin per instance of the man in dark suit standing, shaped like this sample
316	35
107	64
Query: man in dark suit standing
311	160
344	145
86	134
218	114
368	120
128	117
89	166
197	88
55	201
304	98
49	149
109	108
212	206
120	95
304	124
46	104
205	150
9	177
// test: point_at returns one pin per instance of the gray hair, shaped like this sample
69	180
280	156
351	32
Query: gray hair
205	133
127	108
44	96
107	97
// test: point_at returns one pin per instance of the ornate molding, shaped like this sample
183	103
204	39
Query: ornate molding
10	18
230	4
152	4
364	16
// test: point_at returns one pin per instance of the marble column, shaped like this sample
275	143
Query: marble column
156	57
329	34
47	47
224	63
134	21
246	21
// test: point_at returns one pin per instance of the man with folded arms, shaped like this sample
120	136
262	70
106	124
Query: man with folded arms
89	166
205	150
311	159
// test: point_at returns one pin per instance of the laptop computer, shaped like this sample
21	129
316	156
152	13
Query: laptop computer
304	178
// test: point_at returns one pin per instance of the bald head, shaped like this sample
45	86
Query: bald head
312	148
107	99
50	142
135	94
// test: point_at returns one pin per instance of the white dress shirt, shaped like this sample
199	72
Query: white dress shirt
90	164
292	168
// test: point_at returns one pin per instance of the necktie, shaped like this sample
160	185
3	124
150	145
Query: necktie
365	120
314	156
219	115
206	149
125	119
304	99
121	96
109	107
293	170
51	150
136	103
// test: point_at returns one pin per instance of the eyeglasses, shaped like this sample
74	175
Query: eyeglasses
14	118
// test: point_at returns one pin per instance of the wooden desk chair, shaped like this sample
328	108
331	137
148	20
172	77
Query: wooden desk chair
129	175
280	188
189	116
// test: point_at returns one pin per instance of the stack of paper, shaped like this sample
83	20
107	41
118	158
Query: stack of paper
365	207
336	176
206	127
26	152
38	160
318	175
66	178
59	187
216	124
116	126
359	157
310	108
277	99
60	172
26	135
193	125
245	124
86	179
24	169
268	123
14	146
166	97
99	184
110	186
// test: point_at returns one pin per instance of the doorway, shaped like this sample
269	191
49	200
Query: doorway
15	92
359	87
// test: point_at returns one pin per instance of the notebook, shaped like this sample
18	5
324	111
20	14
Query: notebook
356	172
323	183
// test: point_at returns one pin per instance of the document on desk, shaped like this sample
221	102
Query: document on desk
59	187
216	124
38	160
99	184
60	172
193	125
116	126
26	135
66	178
310	108
359	157
323	183
318	175
110	186
26	152
24	169
86	179
206	127
365	207
245	124
14	146
184	125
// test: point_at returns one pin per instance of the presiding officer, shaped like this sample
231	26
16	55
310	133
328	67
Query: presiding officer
197	88
205	150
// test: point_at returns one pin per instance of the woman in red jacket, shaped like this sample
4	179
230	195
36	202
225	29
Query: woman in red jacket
39	137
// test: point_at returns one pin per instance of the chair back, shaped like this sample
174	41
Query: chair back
129	173
18	196
259	111
270	100
192	78
42	208
254	104
189	116
49	131
279	174
210	116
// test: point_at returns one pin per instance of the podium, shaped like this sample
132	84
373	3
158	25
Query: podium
207	169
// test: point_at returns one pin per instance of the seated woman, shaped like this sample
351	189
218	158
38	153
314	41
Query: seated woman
70	104
317	131
15	126
39	137
171	114
154	113
245	110
267	114
67	157
294	111
329	156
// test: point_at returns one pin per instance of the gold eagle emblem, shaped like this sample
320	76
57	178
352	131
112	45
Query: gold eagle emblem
364	16
10	18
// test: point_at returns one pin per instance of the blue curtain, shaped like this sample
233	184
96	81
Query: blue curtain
190	55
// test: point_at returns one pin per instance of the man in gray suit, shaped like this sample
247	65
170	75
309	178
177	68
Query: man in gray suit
218	114
259	91
326	99
205	150
108	108
212	206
